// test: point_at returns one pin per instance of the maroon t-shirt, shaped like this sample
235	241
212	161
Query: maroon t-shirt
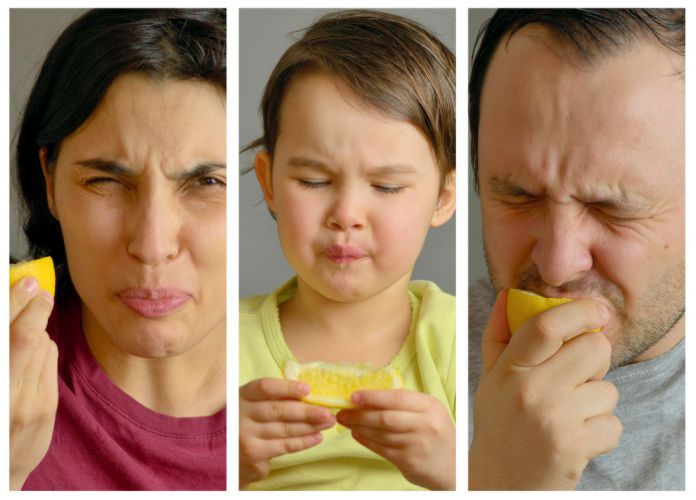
105	440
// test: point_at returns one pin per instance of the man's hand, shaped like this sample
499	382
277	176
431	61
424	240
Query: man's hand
410	429
33	379
273	422
542	410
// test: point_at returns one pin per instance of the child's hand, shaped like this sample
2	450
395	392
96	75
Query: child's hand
411	429
273	422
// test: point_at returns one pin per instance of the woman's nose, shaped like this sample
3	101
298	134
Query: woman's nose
155	229
562	251
347	210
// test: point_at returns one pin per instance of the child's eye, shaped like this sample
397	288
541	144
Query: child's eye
387	188
312	183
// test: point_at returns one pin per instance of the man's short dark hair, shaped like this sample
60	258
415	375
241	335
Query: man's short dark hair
590	32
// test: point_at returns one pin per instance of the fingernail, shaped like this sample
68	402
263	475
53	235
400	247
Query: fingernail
47	297
303	389
604	311
30	284
357	398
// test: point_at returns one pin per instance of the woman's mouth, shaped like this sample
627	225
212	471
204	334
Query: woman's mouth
153	302
344	254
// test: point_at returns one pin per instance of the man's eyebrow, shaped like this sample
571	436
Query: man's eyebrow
622	203
396	168
114	168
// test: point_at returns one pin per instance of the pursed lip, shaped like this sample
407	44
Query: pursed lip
153	302
344	254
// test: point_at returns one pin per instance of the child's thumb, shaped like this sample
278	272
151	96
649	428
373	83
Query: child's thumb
496	335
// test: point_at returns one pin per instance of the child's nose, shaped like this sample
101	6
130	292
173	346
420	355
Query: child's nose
346	211
154	229
562	252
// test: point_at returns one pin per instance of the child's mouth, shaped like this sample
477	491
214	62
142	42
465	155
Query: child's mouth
344	254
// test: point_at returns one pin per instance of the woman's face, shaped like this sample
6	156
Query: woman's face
139	192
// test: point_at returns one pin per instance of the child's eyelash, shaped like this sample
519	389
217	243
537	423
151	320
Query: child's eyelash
309	184
389	189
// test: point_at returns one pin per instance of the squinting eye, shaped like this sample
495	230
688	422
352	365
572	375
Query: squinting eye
211	181
93	181
388	189
312	184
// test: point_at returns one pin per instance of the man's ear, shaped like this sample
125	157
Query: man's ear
447	202
262	167
49	180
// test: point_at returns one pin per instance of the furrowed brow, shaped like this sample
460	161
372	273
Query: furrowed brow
201	170
107	166
305	162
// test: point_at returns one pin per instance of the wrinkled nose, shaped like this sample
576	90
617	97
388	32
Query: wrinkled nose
154	230
562	252
347	210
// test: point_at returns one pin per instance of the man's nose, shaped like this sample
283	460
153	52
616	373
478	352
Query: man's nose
155	227
347	209
562	251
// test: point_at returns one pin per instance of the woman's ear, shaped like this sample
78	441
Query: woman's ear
262	167
447	202
49	180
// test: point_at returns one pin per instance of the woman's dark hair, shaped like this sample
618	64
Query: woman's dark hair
392	63
592	33
88	56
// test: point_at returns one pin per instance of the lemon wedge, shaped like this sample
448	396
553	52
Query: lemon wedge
331	384
522	305
41	269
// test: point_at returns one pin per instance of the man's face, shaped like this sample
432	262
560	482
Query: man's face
582	182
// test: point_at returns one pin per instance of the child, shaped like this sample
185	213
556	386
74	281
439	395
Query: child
358	162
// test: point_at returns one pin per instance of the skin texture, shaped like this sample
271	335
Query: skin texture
151	226
345	174
582	195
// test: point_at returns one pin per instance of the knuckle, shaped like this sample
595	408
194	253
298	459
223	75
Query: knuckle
275	410
529	395
385	419
546	327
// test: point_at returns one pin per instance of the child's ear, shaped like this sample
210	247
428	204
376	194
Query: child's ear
262	167
48	179
447	202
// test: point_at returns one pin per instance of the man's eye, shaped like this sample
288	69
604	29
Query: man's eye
94	181
312	183
388	188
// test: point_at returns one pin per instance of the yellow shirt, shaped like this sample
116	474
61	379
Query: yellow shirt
426	360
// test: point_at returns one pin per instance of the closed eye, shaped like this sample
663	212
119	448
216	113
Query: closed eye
312	183
387	188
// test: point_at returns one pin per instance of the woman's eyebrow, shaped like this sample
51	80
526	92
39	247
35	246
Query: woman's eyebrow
114	168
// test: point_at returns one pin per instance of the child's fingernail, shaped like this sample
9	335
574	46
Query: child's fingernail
357	398
30	284
303	389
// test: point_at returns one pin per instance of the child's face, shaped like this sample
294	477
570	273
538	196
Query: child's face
354	191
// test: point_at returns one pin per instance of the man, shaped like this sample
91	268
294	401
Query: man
577	135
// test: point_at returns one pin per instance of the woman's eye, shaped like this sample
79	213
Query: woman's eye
312	183
211	181
386	188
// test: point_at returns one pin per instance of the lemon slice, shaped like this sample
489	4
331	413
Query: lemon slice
332	384
522	305
41	269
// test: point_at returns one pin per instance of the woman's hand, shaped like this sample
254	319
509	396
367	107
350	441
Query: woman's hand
33	379
411	429
273	422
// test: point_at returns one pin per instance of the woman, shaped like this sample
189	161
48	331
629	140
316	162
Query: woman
121	163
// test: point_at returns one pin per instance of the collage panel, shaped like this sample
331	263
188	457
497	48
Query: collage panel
347	318
117	327
577	249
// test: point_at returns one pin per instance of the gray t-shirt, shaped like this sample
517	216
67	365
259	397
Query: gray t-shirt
650	454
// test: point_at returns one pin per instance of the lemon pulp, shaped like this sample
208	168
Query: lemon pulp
41	269
331	384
